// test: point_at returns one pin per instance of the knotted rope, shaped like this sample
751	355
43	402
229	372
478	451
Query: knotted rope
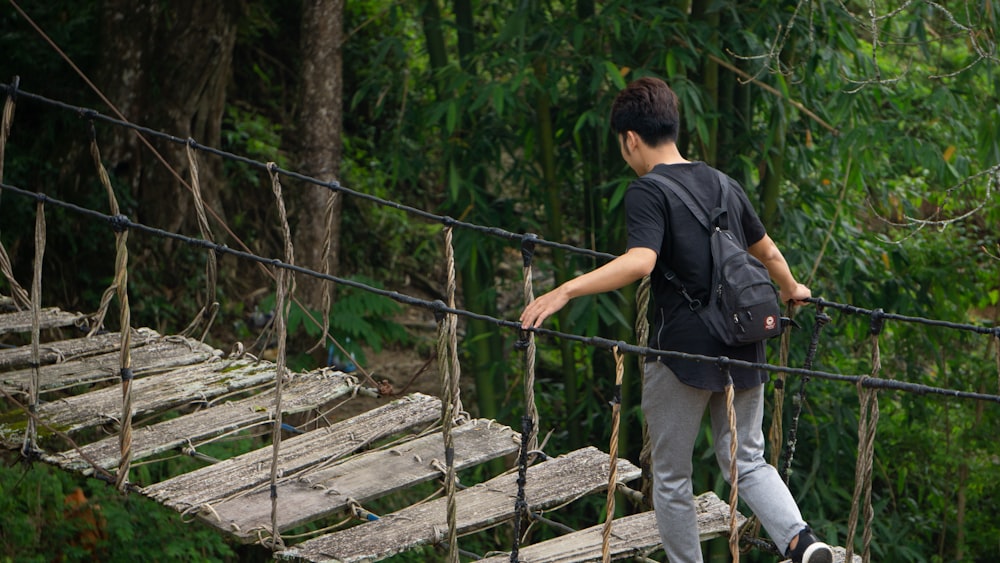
616	408
734	529
800	399
451	406
867	426
30	447
21	299
211	306
285	285
642	337
527	341
119	287
520	504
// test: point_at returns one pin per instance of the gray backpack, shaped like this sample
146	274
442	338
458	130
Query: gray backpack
743	303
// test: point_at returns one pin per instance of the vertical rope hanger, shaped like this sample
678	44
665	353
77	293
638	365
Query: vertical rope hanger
867	426
21	299
451	406
527	341
800	399
642	338
211	306
734	530
285	285
30	447
616	408
119	287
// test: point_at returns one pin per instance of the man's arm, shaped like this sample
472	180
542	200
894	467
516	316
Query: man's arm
618	273
767	252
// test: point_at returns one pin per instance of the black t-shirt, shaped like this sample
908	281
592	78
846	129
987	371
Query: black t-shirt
658	220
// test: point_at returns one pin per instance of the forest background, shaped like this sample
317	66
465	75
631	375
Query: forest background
866	133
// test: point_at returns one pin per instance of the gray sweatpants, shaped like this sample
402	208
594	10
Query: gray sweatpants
673	413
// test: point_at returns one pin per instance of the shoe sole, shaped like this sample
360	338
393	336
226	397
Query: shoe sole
818	552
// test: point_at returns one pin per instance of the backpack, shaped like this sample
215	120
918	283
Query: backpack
743	304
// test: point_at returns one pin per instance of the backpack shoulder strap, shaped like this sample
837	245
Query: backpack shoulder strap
682	193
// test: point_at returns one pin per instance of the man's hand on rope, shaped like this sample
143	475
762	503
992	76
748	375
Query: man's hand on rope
543	307
797	294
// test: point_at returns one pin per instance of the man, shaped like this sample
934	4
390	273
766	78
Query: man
664	235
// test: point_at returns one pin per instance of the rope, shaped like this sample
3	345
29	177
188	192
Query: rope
867	425
451	405
285	285
441	308
527	342
520	505
327	297
21	299
734	529
119	288
30	447
616	408
800	399
642	336
211	306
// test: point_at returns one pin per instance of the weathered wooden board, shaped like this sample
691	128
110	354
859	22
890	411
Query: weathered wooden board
155	356
149	395
50	317
217	482
363	477
550	483
304	392
630	536
65	350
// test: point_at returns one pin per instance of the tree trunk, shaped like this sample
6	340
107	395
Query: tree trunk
317	236
167	67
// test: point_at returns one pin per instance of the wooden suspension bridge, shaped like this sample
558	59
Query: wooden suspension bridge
328	471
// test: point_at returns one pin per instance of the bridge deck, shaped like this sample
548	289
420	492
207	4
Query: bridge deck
185	393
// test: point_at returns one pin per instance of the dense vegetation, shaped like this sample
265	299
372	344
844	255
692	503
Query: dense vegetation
868	134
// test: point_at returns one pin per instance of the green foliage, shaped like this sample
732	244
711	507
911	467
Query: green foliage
36	524
357	317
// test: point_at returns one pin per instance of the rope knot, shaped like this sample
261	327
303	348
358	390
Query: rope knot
438	307
119	223
14	84
877	322
528	248
127	375
523	340
448	221
272	167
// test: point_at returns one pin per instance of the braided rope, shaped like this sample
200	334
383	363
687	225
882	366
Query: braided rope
327	297
119	288
867	426
211	306
520	504
642	337
734	529
616	408
528	341
21	299
451	406
800	399
30	446
285	285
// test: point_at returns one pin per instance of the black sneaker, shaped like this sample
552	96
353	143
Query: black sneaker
810	550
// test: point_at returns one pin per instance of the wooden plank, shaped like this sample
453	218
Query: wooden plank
198	489
304	392
630	536
149	395
50	317
550	483
361	478
65	350
155	356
